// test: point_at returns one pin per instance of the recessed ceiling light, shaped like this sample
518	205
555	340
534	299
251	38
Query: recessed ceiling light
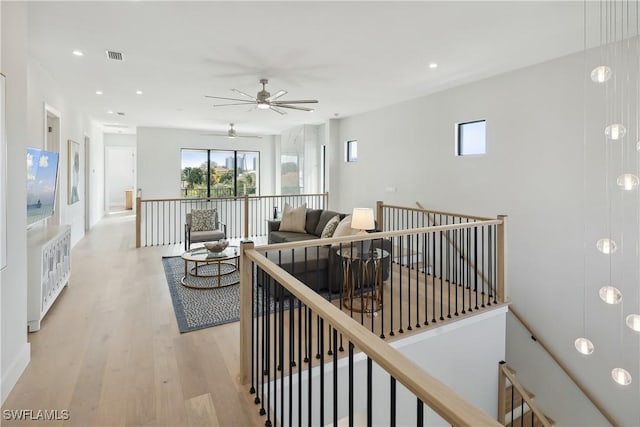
109	112
78	53
98	92
138	92
433	65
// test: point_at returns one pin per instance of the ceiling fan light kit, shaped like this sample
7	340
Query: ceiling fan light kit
231	133
265	101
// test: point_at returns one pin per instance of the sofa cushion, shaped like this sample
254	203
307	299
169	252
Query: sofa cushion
330	228
344	228
325	217
313	216
289	236
293	219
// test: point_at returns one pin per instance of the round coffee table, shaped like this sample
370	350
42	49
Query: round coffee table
210	269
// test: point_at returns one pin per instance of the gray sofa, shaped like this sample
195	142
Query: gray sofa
320	268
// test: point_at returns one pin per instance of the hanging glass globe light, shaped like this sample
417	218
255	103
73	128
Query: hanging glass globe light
606	246
584	346
615	131
601	74
628	181
633	321
621	376
610	294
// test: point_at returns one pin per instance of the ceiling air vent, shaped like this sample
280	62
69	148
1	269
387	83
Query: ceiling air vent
120	113
116	56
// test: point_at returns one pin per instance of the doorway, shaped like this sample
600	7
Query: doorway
120	178
52	143
87	183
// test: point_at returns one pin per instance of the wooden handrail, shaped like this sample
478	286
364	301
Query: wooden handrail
506	372
565	368
438	396
376	235
479	218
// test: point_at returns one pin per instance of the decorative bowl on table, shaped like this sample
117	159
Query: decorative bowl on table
217	247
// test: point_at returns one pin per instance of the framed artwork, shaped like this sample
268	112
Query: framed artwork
3	177
73	178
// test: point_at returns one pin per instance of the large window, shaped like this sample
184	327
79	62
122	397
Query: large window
471	138
217	173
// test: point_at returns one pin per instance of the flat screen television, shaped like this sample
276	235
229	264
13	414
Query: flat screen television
42	179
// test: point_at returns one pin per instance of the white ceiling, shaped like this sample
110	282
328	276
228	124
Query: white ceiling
351	56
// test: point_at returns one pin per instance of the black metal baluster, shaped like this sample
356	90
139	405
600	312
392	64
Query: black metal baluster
409	267
400	284
309	382
369	392
469	270
254	334
441	272
425	263
341	288
300	314
282	355
350	384
321	333
292	361
475	262
267	314
417	269
392	403
307	334
483	269
420	413
335	379
265	335
433	277
521	412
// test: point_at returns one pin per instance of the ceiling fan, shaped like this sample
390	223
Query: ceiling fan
231	133
265	101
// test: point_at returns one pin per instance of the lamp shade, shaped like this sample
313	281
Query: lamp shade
362	219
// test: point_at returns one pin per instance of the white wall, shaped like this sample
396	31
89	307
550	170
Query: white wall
463	355
14	348
43	89
158	158
533	172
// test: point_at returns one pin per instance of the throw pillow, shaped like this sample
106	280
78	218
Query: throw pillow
344	228
330	228
293	219
203	219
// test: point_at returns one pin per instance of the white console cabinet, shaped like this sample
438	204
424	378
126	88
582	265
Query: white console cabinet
49	269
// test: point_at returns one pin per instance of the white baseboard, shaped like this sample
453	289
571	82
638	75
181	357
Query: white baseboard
16	368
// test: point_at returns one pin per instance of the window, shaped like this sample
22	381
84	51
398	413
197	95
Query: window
217	173
351	151
471	138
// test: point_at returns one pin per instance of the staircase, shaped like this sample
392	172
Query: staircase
516	406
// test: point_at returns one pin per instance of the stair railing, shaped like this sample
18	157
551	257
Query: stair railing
535	337
505	373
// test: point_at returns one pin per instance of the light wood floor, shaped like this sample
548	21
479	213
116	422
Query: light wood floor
110	352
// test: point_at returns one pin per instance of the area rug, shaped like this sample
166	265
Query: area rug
201	308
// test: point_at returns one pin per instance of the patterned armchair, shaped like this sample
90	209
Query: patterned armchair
202	225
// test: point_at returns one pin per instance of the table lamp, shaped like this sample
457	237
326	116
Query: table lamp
362	219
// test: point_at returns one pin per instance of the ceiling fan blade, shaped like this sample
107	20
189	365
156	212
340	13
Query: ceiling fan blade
244	94
239	103
277	95
294	107
296	101
229	99
277	110
213	134
248	136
